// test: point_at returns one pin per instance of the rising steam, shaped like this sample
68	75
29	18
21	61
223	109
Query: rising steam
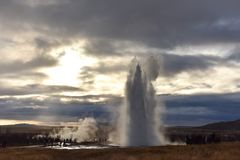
83	130
139	122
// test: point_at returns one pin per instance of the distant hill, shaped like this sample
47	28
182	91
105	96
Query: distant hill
226	125
22	125
220	127
25	128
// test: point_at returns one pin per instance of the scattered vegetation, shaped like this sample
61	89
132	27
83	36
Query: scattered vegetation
221	151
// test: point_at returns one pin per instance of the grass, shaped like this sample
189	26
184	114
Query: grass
222	151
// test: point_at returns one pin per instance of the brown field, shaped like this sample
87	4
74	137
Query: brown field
223	151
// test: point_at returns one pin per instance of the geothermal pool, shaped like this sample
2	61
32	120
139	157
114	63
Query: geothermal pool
72	147
78	147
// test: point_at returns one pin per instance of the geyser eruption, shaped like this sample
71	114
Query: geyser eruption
139	118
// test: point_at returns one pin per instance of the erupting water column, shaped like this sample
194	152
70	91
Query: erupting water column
138	117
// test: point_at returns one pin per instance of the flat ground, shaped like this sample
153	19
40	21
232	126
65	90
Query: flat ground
222	151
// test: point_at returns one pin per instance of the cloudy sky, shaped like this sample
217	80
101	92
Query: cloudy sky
64	59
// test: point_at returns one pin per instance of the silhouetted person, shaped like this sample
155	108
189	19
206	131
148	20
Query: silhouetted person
4	144
64	143
188	139
212	138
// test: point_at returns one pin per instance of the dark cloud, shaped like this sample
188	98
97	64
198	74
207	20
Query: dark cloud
201	108
87	78
33	108
35	89
159	64
26	75
88	73
106	68
172	64
120	27
180	109
39	61
45	45
235	56
159	23
101	47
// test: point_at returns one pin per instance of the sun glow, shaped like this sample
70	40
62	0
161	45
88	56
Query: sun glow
67	72
12	122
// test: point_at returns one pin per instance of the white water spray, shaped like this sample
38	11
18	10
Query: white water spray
139	117
83	130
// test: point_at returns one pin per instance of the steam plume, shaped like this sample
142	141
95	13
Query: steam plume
83	130
140	116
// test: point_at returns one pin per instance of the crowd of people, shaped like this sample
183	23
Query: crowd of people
202	139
